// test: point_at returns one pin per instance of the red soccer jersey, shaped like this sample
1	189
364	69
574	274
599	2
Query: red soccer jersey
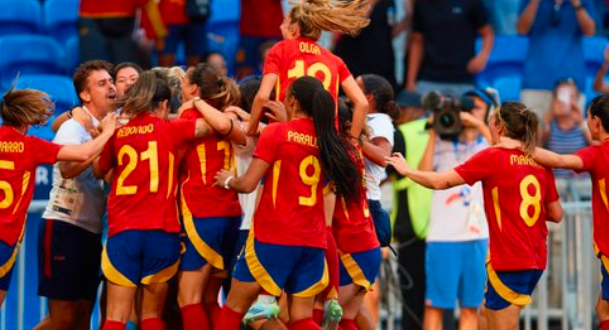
173	12
595	160
19	157
352	224
143	155
291	209
516	190
203	159
109	8
292	59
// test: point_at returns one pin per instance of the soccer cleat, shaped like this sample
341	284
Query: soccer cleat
261	311
333	313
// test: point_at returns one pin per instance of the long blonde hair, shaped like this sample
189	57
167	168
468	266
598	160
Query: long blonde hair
20	107
315	16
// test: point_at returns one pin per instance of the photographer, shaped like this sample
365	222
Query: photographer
458	233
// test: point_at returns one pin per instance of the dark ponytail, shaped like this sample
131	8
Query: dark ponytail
600	108
382	93
520	124
337	155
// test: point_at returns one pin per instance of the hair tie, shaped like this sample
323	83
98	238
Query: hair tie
220	82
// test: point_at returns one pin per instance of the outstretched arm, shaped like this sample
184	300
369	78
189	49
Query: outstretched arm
552	159
432	180
245	183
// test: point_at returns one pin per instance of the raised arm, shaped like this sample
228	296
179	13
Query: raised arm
599	80
527	18
552	159
415	59
431	180
266	87
90	149
586	23
360	106
220	122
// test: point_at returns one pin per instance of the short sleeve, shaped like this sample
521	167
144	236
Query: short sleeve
551	191
268	144
343	70
182	130
274	59
106	160
43	152
71	133
381	126
588	157
417	20
479	15
476	168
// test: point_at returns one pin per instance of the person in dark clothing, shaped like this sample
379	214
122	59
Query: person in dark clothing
361	53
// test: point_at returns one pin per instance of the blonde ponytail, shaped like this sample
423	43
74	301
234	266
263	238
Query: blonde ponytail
315	16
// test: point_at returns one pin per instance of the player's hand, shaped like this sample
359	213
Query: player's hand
470	120
221	177
185	106
277	111
476	64
82	118
399	163
240	113
108	124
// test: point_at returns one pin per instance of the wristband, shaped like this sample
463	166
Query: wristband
227	182
70	113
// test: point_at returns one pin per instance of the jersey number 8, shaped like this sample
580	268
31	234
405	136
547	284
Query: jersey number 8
528	201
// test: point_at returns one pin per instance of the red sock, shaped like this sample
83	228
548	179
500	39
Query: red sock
213	311
153	324
604	325
194	317
348	324
318	316
331	291
305	324
229	320
114	325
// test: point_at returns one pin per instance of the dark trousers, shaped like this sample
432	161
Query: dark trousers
411	260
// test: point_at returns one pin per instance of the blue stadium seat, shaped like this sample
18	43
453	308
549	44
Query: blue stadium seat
506	59
224	38
225	11
28	55
594	48
60	88
60	18
508	87
71	58
20	17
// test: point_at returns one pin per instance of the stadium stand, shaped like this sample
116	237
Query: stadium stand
20	17
28	54
60	18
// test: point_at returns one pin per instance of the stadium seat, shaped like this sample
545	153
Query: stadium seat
60	18
594	48
28	55
20	17
506	59
508	87
60	88
225	11
224	38
71	58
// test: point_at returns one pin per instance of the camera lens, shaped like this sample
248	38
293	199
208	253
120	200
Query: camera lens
447	120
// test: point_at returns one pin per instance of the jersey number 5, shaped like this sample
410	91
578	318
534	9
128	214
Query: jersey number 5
528	201
299	70
9	196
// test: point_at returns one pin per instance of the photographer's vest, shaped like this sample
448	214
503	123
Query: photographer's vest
419	197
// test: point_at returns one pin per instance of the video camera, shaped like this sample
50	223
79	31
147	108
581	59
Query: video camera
446	109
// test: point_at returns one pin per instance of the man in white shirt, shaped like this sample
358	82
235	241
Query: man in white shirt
69	245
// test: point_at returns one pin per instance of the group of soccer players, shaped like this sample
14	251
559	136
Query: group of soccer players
180	184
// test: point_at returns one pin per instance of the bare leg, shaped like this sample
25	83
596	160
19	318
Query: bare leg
468	319
505	319
432	319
